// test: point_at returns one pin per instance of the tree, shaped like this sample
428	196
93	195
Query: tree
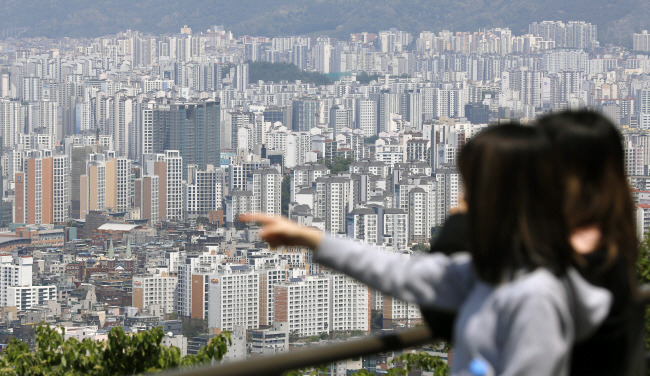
202	221
370	140
121	354
407	362
294	336
376	320
336	165
420	247
193	327
364	78
285	196
276	72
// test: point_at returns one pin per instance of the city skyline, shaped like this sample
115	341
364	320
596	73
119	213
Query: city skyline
127	159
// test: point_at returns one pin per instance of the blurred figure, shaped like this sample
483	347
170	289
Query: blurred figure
520	306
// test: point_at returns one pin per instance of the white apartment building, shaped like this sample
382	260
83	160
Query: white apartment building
194	273
269	278
174	184
239	202
304	303
16	287
234	298
398	313
12	121
363	225
203	191
395	228
305	175
332	202
156	290
267	185
60	188
349	304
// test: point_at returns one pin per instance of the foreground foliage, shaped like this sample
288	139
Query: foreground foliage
403	365
122	354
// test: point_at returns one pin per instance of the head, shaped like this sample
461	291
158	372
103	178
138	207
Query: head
513	212
588	152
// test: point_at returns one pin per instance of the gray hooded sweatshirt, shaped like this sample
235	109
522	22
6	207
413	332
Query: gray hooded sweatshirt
526	326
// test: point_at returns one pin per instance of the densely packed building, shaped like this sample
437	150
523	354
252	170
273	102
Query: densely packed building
126	160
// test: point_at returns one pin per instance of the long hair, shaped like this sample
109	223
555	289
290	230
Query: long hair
589	155
514	216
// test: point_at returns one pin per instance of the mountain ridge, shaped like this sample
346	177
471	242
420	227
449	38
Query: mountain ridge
616	19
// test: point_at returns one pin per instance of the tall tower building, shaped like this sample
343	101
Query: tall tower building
304	114
191	128
366	116
333	194
241	77
12	121
267	190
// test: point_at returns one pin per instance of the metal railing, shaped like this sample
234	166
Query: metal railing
313	356
295	359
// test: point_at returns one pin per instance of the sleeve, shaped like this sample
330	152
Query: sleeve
436	281
537	341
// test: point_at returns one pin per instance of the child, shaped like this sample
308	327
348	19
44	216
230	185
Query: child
520	306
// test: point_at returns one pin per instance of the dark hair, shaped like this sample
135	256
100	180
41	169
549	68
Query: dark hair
514	216
588	151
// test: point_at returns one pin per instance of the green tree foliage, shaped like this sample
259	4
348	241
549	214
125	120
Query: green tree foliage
285	195
370	140
364	78
376	320
408	362
202	220
294	336
420	247
276	72
122	354
336	165
193	327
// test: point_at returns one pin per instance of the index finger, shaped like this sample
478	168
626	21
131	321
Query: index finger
257	217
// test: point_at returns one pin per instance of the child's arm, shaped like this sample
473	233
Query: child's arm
432	280
429	280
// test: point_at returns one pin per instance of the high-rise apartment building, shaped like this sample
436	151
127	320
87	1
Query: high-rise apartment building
267	191
204	191
192	128
234	298
332	202
366	116
157	290
304	114
41	189
194	271
349	304
304	303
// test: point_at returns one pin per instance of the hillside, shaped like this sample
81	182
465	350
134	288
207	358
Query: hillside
616	19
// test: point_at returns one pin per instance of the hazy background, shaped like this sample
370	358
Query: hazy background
616	19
